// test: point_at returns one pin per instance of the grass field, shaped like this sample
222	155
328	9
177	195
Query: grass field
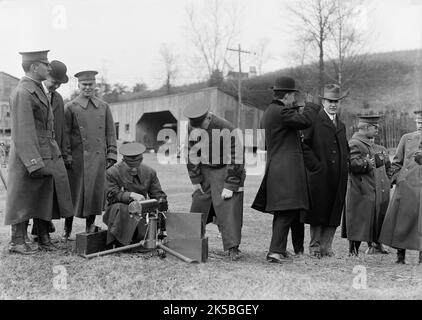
64	275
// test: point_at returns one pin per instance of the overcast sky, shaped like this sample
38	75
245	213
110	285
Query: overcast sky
122	38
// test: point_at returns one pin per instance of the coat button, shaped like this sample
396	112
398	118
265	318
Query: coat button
83	139
98	139
81	127
98	152
334	151
333	161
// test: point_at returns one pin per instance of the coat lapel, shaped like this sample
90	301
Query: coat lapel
53	104
32	87
325	119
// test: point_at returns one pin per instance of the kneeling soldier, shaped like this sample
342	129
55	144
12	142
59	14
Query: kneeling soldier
127	181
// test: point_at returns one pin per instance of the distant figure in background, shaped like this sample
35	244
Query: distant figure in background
284	191
402	224
326	155
127	181
217	178
37	185
368	188
92	150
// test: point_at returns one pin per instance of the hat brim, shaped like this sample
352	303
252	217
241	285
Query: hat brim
334	99
65	79
284	89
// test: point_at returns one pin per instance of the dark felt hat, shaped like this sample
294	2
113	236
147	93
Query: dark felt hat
35	56
418	114
333	92
196	112
285	84
58	71
132	149
86	75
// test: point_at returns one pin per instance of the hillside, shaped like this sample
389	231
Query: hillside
387	81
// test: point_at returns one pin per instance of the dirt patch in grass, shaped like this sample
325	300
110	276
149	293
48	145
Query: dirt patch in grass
146	276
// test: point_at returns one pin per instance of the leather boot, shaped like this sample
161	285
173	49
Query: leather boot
401	256
17	243
44	240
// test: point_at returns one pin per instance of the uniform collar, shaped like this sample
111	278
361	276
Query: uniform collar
34	86
361	137
83	101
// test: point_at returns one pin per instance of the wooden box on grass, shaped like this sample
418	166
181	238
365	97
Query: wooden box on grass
185	225
196	249
87	243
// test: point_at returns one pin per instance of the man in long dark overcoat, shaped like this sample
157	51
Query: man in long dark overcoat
216	169
55	79
326	158
92	149
402	227
37	182
368	187
284	191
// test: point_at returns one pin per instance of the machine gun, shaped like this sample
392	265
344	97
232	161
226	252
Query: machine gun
153	211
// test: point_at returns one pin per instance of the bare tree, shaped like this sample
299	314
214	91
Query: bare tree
347	53
262	55
212	29
316	20
170	65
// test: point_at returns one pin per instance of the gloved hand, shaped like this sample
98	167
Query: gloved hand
198	186
40	173
226	194
163	204
110	163
136	196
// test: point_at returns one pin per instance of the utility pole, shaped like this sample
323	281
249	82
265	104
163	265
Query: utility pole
239	84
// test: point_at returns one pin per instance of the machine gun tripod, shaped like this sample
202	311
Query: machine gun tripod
154	239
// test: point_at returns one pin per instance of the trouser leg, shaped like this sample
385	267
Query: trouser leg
401	256
282	221
315	242
327	237
68	223
89	222
298	234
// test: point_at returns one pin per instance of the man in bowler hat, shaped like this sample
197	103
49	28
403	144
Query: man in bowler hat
283	191
92	150
37	184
